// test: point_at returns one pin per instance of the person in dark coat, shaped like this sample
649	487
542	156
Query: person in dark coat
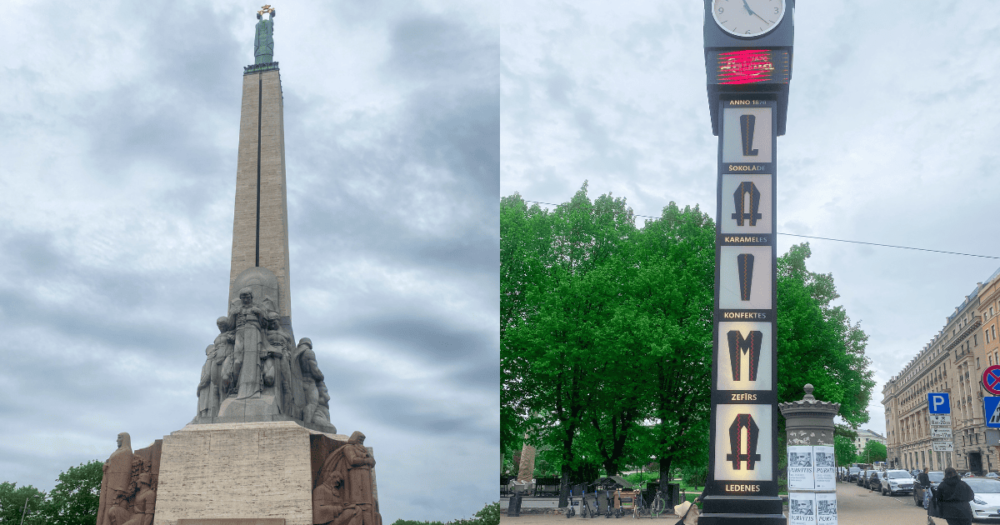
953	496
925	483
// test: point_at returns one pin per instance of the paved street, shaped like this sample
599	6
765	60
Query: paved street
860	506
856	505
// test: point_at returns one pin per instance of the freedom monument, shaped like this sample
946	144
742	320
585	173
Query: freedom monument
261	448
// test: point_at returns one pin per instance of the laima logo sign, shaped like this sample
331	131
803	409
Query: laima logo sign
745	67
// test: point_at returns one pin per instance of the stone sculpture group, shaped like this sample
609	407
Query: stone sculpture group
343	489
255	356
128	489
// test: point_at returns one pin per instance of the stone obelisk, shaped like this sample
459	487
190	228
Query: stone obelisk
261	449
260	224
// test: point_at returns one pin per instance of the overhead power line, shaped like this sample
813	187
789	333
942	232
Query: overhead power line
836	240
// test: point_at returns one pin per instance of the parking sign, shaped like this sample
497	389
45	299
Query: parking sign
937	403
991	407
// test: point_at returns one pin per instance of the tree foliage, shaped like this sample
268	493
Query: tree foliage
12	504
606	335
873	451
75	497
843	450
817	343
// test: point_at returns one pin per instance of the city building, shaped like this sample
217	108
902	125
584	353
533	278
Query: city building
952	362
864	436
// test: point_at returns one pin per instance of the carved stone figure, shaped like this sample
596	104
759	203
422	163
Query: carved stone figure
249	348
115	484
117	475
346	484
287	386
145	502
322	416
222	373
208	398
330	505
310	376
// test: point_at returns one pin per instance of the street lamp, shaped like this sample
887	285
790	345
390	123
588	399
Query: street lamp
26	506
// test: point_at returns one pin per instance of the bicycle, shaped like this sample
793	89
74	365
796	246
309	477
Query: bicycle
639	507
658	505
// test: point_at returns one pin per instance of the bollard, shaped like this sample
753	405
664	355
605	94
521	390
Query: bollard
812	468
514	505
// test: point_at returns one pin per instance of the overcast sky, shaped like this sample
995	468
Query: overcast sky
119	135
892	138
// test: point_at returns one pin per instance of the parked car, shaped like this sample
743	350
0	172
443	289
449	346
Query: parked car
986	504
852	474
874	480
992	475
896	481
935	476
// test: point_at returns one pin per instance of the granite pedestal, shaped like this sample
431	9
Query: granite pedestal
237	470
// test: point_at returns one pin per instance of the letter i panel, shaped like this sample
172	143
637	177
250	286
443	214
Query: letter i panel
742	482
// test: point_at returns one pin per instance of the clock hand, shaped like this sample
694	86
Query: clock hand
747	7
762	18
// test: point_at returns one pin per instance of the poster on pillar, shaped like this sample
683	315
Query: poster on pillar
745	278
744	356
743	443
800	468
825	464
801	508
746	204
747	135
826	508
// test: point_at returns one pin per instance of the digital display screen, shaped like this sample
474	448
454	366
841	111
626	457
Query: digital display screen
749	66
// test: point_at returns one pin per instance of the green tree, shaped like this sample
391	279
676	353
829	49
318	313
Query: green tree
12	504
559	296
843	450
817	343
670	332
76	495
606	328
873	451
525	246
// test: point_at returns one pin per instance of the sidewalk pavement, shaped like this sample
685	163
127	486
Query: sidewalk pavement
855	505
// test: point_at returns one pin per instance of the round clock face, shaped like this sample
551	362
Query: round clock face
748	18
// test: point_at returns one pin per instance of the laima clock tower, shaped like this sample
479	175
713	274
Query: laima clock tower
748	58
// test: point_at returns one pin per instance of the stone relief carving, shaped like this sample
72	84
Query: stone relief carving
343	494
254	371
128	488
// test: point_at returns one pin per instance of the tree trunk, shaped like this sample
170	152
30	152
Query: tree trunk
564	487
665	479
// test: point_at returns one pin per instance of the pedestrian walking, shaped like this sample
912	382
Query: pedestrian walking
952	497
925	482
